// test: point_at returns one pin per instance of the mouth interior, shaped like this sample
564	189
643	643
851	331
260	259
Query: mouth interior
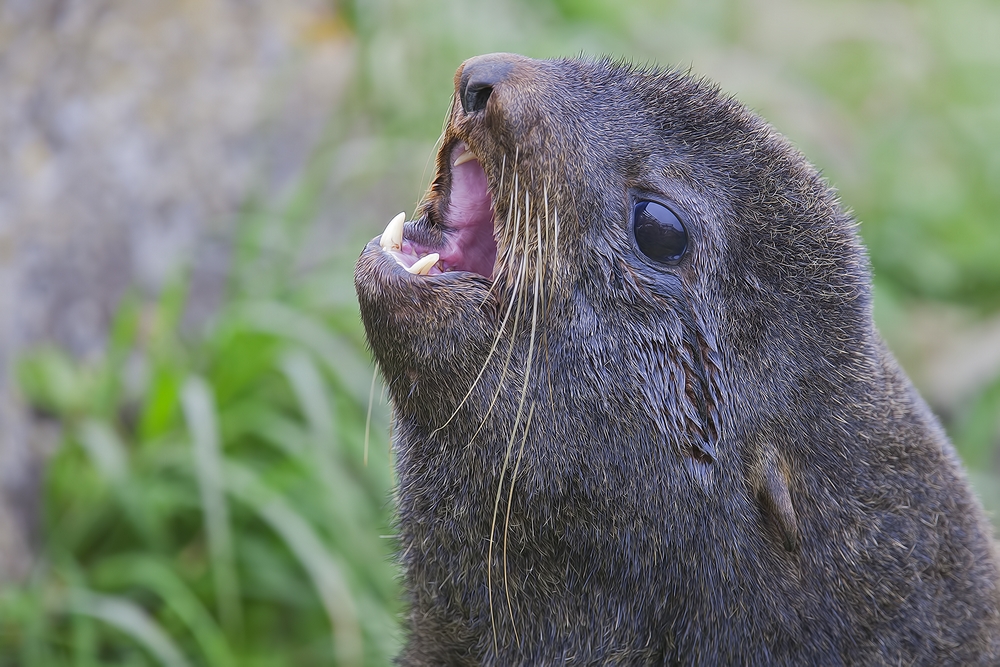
469	244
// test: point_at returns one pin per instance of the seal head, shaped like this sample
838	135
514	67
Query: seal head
641	411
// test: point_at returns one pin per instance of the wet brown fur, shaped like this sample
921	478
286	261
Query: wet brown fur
723	463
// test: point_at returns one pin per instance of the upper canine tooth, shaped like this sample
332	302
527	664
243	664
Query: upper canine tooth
463	158
422	266
392	237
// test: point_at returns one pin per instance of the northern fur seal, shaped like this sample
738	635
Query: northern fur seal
641	412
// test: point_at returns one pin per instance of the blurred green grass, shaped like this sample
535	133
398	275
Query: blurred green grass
214	495
213	500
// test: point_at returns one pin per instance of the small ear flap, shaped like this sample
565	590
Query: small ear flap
777	502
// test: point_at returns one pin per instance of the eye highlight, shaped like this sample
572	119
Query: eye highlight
659	232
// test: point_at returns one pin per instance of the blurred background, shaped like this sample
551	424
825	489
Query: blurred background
186	476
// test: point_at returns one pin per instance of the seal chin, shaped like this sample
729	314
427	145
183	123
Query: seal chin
454	233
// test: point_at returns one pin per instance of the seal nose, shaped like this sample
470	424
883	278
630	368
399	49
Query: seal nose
479	76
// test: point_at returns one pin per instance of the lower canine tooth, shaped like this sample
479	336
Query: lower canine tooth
423	265
392	237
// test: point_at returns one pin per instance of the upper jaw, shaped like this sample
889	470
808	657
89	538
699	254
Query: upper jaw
456	229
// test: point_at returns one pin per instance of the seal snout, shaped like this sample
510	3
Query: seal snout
479	76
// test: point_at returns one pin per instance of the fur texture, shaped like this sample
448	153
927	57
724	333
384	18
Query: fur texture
603	459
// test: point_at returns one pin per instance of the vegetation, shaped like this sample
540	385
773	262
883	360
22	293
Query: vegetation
216	499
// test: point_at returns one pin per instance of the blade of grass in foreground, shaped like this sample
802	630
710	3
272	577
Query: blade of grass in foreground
108	454
199	412
314	401
150	573
282	320
309	549
310	390
130	619
24	624
105	449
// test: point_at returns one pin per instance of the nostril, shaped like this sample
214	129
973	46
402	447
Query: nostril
479	77
475	97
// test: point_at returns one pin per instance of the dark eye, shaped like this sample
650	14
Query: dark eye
658	231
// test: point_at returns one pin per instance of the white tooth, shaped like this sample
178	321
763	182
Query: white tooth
467	156
392	237
422	266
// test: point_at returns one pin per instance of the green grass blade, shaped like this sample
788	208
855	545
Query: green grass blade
324	571
131	619
342	359
24	623
199	412
105	450
149	572
310	390
109	456
50	379
314	400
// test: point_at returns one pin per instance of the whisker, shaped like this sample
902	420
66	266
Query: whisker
489	356
496	341
500	265
508	248
519	295
506	365
552	265
551	275
506	525
516	294
520	407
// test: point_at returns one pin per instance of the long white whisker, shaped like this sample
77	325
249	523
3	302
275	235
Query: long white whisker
517	315
496	341
524	392
517	294
506	525
551	274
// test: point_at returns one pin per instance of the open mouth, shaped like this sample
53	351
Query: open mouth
467	226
